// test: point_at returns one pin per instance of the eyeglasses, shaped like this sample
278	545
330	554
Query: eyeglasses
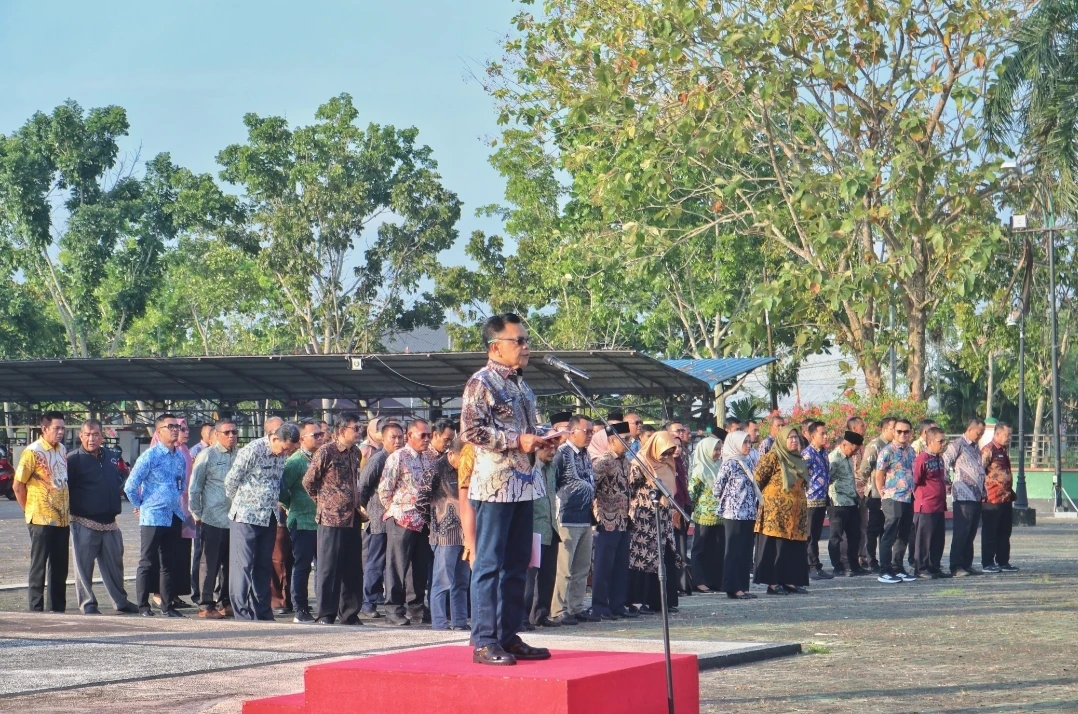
520	341
229	432
171	427
424	435
636	423
317	434
184	428
902	431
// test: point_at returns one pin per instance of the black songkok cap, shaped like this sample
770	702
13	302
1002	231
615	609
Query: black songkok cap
559	417
622	427
854	438
721	433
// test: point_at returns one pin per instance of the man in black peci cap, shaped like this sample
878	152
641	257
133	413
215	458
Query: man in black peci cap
844	513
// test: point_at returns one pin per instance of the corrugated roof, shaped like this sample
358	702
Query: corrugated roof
718	371
434	375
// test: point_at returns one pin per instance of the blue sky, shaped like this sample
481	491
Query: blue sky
188	71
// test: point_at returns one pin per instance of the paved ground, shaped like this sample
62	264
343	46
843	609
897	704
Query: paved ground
993	643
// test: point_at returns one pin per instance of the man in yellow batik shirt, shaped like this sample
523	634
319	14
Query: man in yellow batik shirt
41	490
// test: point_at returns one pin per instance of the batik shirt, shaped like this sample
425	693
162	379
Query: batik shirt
736	497
155	484
207	499
332	480
819	476
997	478
406	471
766	445
843	489
498	407
612	492
896	462
43	468
963	457
254	484
437	503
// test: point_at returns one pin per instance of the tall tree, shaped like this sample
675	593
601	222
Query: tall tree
839	135
348	221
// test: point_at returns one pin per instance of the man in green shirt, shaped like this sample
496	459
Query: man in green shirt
210	505
300	509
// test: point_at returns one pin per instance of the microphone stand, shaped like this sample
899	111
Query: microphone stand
657	492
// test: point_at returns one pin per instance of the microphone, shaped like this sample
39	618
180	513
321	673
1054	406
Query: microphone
564	366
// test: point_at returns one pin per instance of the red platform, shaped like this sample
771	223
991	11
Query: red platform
443	680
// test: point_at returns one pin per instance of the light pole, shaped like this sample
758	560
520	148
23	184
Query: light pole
1023	514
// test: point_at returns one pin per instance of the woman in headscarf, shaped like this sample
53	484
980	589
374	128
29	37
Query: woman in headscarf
708	539
657	452
600	443
782	521
181	570
738	499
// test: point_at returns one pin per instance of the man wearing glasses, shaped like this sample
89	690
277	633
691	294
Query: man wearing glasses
332	481
635	423
406	471
894	480
154	486
575	481
302	528
963	457
498	418
210	506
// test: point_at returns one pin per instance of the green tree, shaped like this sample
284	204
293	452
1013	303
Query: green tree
822	131
348	221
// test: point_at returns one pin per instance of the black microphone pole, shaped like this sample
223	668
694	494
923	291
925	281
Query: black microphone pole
657	492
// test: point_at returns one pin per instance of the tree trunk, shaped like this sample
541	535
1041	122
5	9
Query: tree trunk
917	355
1038	425
873	375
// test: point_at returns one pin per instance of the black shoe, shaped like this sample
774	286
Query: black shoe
283	611
371	614
178	603
796	590
860	572
587	616
777	591
632	609
303	616
820	574
129	608
397	620
522	651
1008	568
327	620
627	613
609	617
352	622
171	612
146	612
673	609
545	621
874	566
566	620
91	611
646	610
841	573
492	654
528	627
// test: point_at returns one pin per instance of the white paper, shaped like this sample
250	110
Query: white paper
537	550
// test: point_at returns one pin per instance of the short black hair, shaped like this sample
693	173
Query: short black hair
815	426
345	419
495	325
390	425
48	417
667	425
443	424
932	432
903	420
575	420
1002	425
92	423
887	421
456	445
647	429
732	421
417	422
161	419
289	432
975	421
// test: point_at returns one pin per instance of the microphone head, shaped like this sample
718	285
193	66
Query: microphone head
551	360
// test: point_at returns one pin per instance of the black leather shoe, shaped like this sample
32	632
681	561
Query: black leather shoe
567	620
371	614
587	616
545	621
171	612
327	620
395	619
492	654
353	622
609	617
91	611
528	627
627	613
283	611
522	651
146	613
129	608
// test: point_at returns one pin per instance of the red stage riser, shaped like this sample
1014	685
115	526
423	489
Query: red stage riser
443	680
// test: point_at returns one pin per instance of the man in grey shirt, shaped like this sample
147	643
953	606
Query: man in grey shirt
209	505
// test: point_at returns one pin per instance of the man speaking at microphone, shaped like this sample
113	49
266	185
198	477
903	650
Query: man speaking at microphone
498	418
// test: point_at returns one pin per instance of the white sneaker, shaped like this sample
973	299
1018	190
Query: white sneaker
889	579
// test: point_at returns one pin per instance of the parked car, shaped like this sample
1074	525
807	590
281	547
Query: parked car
7	474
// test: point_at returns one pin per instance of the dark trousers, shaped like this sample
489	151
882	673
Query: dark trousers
304	544
844	520
708	548
816	515
898	520
539	585
338	572
374	571
406	570
196	565
737	559
996	533
503	547
48	563
967	517
684	576
213	564
929	531
250	555
281	575
158	562
874	529
610	574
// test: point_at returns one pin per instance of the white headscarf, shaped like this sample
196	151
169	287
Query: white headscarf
731	448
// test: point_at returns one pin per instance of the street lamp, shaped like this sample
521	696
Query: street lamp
1023	514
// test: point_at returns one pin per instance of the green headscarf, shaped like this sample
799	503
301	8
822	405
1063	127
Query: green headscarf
704	466
793	466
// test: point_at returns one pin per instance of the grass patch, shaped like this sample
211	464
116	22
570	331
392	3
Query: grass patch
952	592
1043	579
816	648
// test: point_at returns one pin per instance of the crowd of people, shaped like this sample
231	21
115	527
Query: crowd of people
495	524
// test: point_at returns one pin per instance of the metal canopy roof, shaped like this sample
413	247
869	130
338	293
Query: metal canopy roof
717	371
436	375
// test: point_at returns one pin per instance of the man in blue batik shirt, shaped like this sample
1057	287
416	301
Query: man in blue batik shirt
157	479
815	455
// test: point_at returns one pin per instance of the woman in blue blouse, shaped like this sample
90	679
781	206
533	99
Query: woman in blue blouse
738	497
